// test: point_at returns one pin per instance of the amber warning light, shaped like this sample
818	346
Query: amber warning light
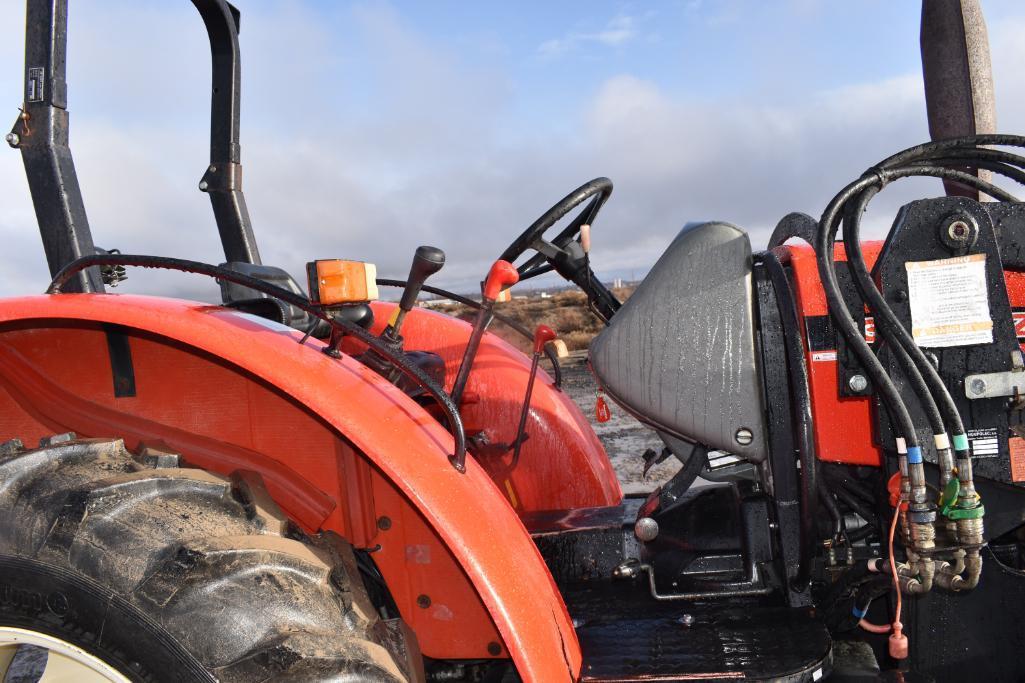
335	282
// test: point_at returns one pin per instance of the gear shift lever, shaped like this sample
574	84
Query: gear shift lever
426	262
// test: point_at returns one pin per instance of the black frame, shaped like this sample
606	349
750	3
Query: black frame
41	133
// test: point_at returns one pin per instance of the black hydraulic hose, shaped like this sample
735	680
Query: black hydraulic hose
838	478
862	510
887	323
828	502
925	381
940	147
297	300
551	355
824	240
888	320
802	412
969	161
862	533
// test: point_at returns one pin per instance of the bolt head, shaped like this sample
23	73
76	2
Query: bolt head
203	185
423	601
13	139
687	620
958	230
857	383
646	529
978	385
744	436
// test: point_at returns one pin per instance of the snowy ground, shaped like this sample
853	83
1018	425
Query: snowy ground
625	438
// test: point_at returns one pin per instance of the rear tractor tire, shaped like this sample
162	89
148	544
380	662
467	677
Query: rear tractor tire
133	568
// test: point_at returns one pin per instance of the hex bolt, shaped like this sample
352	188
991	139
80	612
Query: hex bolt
744	436
384	523
213	169
686	620
203	185
13	139
424	601
494	649
857	383
978	386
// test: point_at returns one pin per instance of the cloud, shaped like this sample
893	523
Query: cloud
408	143
620	30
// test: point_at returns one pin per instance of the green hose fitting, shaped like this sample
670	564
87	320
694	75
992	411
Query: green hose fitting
952	508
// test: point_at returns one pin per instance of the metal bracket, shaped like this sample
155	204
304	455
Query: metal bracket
998	384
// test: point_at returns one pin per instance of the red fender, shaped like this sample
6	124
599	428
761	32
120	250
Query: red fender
409	447
562	465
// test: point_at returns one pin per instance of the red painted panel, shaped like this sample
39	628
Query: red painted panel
562	465
842	426
231	391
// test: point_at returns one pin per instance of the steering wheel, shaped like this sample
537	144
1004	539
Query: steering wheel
567	253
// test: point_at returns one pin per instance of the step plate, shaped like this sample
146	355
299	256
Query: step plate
625	635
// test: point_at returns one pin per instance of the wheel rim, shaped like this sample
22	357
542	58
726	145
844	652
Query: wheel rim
29	656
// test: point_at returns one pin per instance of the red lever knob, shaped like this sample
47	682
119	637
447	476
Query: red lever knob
502	274
542	335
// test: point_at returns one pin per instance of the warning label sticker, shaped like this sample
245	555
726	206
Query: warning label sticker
1017	448
949	302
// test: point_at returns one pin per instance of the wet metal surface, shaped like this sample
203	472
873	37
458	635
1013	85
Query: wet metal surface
641	640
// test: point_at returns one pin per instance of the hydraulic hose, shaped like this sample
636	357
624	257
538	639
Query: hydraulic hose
299	301
933	159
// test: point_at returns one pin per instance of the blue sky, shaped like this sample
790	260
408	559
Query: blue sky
371	127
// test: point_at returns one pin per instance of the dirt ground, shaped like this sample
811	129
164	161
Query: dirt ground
625	438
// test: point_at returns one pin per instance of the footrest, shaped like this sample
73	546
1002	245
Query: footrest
625	635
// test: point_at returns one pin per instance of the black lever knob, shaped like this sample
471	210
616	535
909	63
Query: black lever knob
426	262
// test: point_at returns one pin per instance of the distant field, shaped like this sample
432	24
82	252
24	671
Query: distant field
565	312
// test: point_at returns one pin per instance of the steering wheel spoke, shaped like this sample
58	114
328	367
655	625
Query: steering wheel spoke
560	254
535	271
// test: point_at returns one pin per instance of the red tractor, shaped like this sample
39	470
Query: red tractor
312	484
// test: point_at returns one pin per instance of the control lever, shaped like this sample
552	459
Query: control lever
426	262
542	335
502	274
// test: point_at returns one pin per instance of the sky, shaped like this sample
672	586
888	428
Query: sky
369	128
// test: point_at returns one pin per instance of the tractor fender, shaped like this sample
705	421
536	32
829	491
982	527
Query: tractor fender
467	510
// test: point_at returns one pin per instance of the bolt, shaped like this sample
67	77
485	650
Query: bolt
646	529
13	139
424	601
203	185
384	523
978	386
958	230
494	649
213	169
857	383
687	620
744	436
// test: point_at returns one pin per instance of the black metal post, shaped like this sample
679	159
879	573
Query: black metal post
223	177
41	133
